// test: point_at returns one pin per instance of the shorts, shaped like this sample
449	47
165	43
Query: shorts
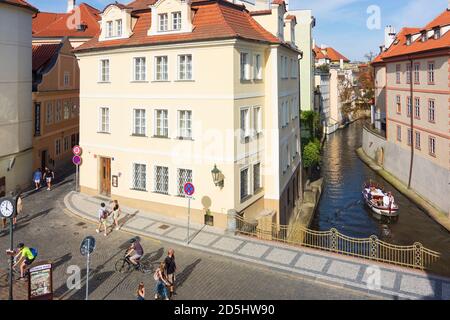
37	181
171	278
29	261
48	179
115	215
136	256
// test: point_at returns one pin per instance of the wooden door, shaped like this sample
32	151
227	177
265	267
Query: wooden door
105	176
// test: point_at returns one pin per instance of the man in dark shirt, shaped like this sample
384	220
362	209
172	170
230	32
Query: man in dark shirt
170	268
135	251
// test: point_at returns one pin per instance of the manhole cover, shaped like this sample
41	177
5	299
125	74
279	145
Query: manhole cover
80	224
164	226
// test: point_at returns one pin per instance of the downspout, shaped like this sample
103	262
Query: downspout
412	121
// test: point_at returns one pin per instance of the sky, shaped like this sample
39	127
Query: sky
353	27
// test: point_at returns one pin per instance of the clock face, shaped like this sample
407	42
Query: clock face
6	208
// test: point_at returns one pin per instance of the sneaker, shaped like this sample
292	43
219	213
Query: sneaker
96	230
48	189
106	234
117	228
156	297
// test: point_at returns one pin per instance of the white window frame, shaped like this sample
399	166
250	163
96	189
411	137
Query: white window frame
164	184
66	110
119	27
58	147
58	111
176	20
256	187
432	145
142	126
48	112
245	132
409	136
417	139
431	110
180	187
66	78
184	132
430	73
104	127
66	143
257	120
164	68
258	69
139	70
248	194
163	24
104	72
133	173
161	123
109	29
244	66
187	68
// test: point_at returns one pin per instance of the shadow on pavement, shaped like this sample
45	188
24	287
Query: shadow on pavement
61	260
184	275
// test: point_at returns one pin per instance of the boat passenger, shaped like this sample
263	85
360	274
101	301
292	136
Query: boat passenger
386	200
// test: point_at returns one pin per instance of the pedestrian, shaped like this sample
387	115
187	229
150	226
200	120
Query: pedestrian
37	177
141	291
170	267
49	175
23	257
161	283
115	214
102	218
19	208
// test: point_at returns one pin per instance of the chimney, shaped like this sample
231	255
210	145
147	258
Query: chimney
389	36
70	5
341	63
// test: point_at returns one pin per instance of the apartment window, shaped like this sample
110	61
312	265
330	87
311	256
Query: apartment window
431	110
245	66
437	33
417	108
109	29
185	124
258	67
257	119
416	73
256	177
104	70
398	103
176	20
139	122
285	67
66	144
185	67
139	176
244	184
408	73
66	79
49	113
408	106
119	28
408	39
104	120
431	73
288	159
73	140
163	22
58	112
245	124
161	183
397	73
162	123
424	36
161	69
139	69
66	110
399	133
432	145
74	111
57	147
417	140
184	176
409	136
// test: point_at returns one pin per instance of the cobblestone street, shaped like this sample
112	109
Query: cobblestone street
47	226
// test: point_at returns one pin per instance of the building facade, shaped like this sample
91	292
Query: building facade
412	84
15	95
172	90
55	104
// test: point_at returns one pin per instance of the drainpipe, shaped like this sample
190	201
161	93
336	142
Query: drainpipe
411	122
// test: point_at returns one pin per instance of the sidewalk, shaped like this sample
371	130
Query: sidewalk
320	266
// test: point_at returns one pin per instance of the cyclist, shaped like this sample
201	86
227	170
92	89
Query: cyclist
135	251
24	256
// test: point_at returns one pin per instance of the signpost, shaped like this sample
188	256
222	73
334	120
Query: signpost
189	191
86	248
8	207
76	161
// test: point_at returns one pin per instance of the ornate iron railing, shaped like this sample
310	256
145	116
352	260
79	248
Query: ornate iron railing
413	256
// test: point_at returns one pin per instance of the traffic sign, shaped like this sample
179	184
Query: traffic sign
189	189
76	160
77	150
87	245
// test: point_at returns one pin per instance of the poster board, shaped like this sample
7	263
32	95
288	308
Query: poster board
40	282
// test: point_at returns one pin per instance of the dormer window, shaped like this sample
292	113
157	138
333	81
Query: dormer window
408	40
437	33
424	36
176	20
163	22
81	27
109	29
119	28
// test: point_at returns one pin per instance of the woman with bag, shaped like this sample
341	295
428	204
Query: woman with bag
115	214
161	283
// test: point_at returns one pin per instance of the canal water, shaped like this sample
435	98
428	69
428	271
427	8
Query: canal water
341	205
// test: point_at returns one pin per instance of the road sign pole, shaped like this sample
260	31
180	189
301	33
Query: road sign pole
87	271
76	178
189	218
11	258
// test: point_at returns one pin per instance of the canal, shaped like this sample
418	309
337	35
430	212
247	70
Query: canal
341	204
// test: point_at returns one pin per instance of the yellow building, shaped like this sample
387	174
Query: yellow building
15	95
171	90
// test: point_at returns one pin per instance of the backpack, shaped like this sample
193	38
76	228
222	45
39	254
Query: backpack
156	276
104	214
34	252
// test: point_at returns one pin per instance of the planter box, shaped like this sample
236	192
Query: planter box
209	220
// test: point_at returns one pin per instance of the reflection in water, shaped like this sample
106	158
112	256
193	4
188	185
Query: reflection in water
341	205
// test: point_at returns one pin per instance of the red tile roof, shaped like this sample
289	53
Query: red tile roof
260	12
20	3
329	53
42	54
47	24
214	19
400	48
141	4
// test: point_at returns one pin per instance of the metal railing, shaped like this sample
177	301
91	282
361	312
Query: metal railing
413	256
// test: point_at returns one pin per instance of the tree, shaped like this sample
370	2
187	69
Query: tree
311	120
311	154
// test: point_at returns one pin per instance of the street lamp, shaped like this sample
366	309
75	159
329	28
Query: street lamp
217	176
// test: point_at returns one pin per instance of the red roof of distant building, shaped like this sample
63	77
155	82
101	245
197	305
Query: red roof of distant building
329	53
214	19
141	4
260	12
47	24
42	54
20	3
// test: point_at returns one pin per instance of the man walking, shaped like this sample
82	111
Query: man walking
49	175
102	217
170	268
37	177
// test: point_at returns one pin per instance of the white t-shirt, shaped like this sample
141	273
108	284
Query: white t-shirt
100	213
386	200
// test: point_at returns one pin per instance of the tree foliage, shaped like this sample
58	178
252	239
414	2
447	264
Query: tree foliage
311	154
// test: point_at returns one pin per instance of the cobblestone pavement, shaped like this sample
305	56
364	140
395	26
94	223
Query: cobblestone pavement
57	235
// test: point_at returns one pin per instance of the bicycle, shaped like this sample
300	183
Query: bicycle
124	265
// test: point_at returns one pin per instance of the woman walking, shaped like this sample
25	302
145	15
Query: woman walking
161	283
170	267
19	208
115	214
141	291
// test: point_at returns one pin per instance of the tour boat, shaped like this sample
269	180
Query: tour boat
373	196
